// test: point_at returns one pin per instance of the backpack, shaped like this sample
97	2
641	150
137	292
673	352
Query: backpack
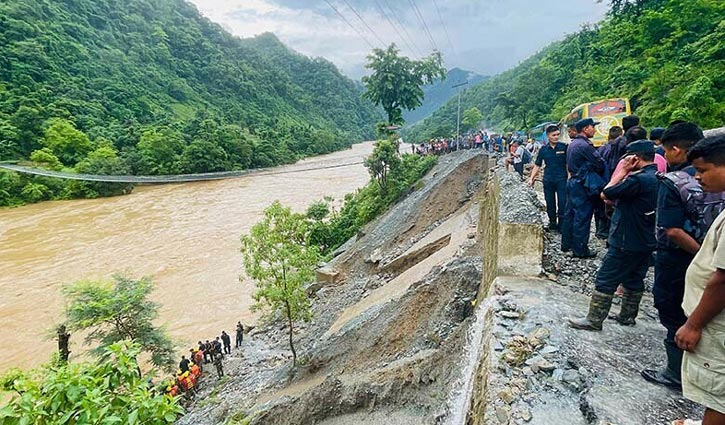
701	208
526	156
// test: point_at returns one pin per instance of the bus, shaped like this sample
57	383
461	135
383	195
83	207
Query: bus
608	112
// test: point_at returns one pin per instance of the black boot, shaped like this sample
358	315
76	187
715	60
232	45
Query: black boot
598	310
630	307
670	376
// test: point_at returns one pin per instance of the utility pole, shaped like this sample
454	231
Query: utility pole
458	121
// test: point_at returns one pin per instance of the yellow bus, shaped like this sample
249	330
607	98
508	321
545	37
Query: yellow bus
608	112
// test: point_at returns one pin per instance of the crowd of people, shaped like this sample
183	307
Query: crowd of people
478	140
208	352
659	201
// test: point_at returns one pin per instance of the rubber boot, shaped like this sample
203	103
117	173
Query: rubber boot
671	375
630	307
598	310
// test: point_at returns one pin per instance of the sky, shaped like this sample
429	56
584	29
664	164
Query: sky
484	36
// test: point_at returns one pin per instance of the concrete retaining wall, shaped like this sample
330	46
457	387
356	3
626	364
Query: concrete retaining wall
509	249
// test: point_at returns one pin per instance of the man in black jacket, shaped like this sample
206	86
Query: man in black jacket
631	238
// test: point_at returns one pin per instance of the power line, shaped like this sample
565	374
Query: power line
405	31
445	29
349	24
422	21
364	22
390	21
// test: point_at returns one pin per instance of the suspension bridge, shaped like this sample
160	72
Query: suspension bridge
169	179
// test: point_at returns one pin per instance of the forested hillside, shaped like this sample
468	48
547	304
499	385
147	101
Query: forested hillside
667	56
438	93
151	87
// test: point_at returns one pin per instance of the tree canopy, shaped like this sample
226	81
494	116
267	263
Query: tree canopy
119	311
396	82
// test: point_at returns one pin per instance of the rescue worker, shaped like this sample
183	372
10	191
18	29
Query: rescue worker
684	215
553	155
219	367
184	364
227	340
197	357
217	348
584	166
208	351
631	238
240	335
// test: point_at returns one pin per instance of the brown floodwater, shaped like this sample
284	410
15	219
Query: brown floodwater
185	236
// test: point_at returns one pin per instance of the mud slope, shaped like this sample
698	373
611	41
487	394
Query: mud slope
386	342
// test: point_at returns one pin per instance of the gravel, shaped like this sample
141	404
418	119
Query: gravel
519	203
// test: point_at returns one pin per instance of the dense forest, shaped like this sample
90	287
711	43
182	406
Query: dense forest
667	56
152	87
438	93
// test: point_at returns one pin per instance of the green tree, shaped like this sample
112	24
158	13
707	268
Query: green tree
471	118
47	159
68	143
203	157
382	162
117	311
105	392
396	81
277	257
161	148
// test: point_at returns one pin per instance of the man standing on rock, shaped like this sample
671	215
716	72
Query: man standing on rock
584	166
227	340
553	155
684	215
703	335
240	335
631	238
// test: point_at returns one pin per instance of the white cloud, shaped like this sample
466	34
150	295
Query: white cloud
489	35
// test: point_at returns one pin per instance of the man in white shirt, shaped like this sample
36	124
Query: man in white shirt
703	335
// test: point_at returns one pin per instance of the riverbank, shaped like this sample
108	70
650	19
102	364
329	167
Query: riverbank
185	236
424	319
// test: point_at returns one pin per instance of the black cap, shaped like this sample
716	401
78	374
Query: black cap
656	133
640	146
584	123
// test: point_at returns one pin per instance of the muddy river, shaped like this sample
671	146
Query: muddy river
186	236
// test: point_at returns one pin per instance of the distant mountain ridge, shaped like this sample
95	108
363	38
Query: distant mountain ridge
438	93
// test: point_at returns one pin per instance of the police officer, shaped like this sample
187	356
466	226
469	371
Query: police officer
631	238
553	155
684	214
581	160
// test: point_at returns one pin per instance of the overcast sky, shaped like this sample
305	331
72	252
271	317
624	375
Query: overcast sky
486	36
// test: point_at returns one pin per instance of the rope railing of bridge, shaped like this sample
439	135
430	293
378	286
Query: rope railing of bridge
178	178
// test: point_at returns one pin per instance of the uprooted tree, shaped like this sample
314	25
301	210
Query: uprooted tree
276	255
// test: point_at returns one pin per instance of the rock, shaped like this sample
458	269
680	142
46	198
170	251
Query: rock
502	414
532	361
525	414
375	257
527	371
544	365
549	349
552	277
571	377
510	314
507	396
558	374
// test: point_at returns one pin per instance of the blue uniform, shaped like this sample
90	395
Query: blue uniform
580	157
632	234
554	180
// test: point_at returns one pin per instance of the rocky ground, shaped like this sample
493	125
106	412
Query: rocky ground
389	330
546	373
